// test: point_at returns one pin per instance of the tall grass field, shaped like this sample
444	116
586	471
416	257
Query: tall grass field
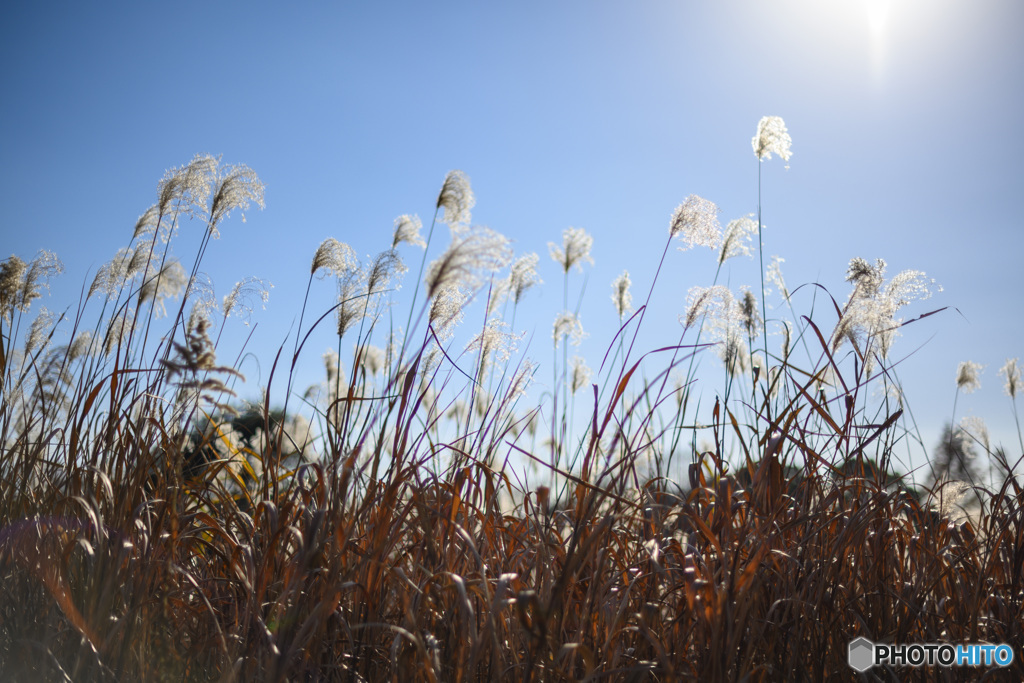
454	502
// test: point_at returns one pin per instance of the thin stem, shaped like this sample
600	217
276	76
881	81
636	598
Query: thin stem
764	307
419	279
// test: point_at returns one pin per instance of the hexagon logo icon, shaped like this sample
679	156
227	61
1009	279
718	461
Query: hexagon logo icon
861	654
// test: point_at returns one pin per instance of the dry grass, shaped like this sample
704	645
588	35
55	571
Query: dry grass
144	538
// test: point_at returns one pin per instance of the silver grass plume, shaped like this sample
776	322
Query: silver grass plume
695	222
976	428
81	346
21	284
575	249
869	317
334	373
386	266
725	318
335	379
146	224
333	258
331	367
339	259
967	376
43	267
736	241
521	379
705	300
202	297
187	188
947	497
298	436
351	299
567	325
38	337
772	137
141	260
621	296
237	187
471	254
522	276
1011	370
407	229
580	374
774	275
750	313
12	274
446	311
112	275
244	295
431	358
908	286
734	355
371	358
866	279
169	282
118	330
494	342
456	198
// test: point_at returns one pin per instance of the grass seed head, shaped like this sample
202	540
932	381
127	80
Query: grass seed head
580	373
237	188
244	295
736	241
772	137
187	188
167	283
471	255
575	249
568	325
695	222
12	276
407	229
457	200
333	258
622	298
1011	371
446	311
38	333
967	379
523	275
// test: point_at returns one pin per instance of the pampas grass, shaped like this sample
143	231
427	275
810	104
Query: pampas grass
423	516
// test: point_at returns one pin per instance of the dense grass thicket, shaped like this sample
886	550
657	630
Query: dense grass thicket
422	515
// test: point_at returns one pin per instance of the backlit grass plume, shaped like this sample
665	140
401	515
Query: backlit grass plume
695	222
575	249
967	379
772	137
457	199
621	296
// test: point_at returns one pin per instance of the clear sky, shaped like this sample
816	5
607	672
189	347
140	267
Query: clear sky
905	118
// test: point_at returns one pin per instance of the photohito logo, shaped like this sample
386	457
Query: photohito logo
864	654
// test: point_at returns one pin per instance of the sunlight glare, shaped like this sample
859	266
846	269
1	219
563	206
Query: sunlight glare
878	23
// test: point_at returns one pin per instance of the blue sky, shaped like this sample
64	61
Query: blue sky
904	116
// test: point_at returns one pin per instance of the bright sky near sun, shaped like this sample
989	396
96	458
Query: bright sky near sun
904	114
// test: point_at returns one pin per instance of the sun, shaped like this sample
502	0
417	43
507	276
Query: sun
878	19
